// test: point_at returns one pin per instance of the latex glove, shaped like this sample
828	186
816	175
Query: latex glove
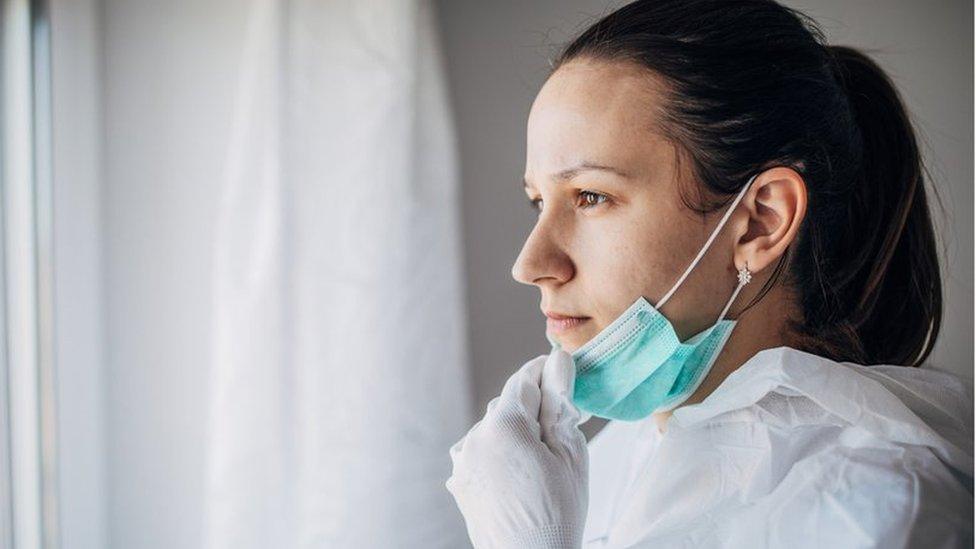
520	474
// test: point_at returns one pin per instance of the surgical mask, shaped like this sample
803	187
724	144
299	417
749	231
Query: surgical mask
637	366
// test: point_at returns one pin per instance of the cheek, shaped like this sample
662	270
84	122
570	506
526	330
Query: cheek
623	261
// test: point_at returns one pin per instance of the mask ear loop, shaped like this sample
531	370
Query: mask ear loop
704	248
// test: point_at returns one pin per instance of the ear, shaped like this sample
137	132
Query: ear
776	205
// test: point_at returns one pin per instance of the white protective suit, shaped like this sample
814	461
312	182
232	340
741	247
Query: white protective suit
793	450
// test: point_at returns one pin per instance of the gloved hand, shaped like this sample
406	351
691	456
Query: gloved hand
520	474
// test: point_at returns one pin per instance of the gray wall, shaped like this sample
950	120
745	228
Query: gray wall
497	54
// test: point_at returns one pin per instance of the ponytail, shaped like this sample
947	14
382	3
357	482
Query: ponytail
886	282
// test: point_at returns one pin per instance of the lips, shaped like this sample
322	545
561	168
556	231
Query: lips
560	323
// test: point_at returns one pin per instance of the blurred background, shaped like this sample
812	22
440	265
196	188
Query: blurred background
257	253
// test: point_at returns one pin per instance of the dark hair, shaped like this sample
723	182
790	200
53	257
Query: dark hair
752	84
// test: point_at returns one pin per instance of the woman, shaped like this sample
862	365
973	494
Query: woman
765	192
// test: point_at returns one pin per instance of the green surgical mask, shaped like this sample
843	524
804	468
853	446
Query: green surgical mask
637	365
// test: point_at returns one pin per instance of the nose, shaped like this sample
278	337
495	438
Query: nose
542	260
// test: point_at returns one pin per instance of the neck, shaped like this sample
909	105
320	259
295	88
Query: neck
761	327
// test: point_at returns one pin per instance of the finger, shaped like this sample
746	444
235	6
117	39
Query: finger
522	388
517	411
558	378
557	412
577	452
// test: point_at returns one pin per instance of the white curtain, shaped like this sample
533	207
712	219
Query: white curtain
339	359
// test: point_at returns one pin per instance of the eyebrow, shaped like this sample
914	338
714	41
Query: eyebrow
570	173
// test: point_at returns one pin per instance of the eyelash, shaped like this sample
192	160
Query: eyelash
535	202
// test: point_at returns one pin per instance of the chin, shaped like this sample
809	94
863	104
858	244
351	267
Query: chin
571	343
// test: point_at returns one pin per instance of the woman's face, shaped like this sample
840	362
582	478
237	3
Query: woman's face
612	226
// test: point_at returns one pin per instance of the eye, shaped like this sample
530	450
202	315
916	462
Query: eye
591	199
535	204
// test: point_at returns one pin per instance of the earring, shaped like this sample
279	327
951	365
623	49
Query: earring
745	276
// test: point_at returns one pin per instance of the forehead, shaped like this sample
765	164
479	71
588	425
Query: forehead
594	110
